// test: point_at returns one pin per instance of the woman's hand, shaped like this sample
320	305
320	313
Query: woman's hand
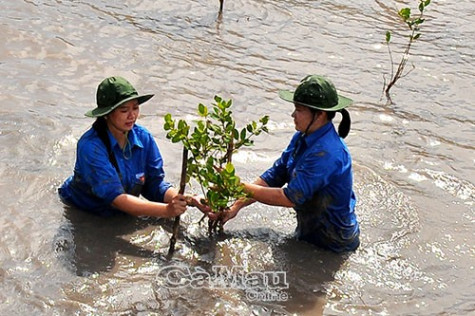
229	213
196	201
176	206
225	215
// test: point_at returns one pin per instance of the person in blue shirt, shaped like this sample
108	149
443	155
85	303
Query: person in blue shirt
314	173
118	160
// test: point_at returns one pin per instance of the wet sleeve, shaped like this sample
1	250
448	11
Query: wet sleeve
98	172
278	175
155	184
313	174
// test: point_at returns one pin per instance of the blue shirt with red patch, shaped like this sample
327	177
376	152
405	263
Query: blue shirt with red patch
317	169
96	183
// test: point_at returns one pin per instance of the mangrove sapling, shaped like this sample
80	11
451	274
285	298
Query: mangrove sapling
414	25
211	145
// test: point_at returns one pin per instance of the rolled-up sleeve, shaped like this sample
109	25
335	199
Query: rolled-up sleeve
278	174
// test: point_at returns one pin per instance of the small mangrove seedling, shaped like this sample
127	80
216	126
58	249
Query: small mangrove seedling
211	144
414	23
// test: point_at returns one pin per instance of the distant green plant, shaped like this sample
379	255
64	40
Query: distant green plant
414	24
211	145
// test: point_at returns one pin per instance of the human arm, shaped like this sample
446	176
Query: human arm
259	191
267	188
174	205
268	195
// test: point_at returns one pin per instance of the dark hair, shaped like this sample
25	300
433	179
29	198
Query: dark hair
100	126
345	124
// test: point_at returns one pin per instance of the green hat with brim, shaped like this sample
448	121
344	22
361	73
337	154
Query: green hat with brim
111	93
316	92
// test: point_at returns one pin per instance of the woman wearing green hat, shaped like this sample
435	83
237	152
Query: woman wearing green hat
118	160
314	174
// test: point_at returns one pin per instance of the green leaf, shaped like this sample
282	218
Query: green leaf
215	128
202	109
388	36
221	105
201	126
405	13
176	138
419	21
169	122
229	168
235	134
182	124
243	134
229	127
238	183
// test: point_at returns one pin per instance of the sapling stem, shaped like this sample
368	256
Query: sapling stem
176	223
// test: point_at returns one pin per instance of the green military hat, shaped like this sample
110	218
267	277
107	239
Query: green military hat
111	93
316	92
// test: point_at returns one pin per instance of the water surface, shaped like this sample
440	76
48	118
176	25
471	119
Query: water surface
413	160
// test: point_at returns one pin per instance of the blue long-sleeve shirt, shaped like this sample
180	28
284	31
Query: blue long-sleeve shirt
96	183
317	169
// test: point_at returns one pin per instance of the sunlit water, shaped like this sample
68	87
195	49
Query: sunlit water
414	161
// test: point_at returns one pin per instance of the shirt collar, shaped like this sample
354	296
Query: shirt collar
134	140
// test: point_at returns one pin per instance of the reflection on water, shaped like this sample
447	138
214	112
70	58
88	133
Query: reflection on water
88	244
414	164
115	257
121	260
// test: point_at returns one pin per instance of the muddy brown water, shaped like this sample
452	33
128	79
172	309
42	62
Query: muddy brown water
414	159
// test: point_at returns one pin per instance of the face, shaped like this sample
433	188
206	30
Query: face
123	118
302	117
